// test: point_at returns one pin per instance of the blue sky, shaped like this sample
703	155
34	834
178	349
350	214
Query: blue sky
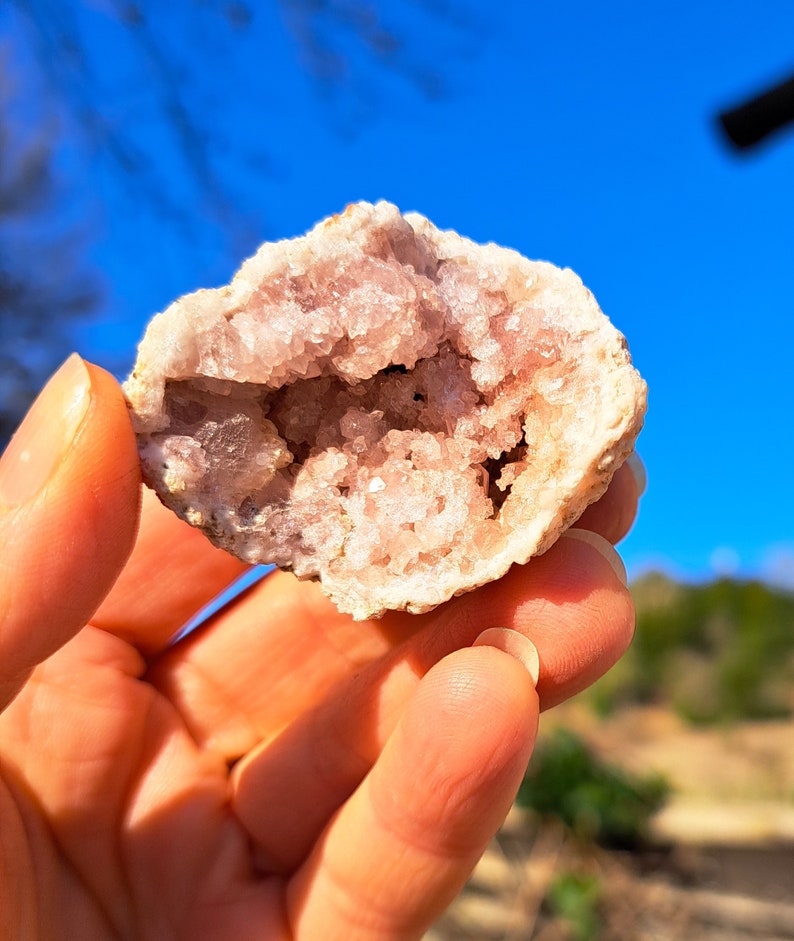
578	132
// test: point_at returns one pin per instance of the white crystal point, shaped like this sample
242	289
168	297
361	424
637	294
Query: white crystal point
391	409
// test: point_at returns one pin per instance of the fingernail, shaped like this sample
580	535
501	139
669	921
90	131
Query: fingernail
607	550
44	437
513	643
638	472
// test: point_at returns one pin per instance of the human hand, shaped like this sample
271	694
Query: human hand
283	772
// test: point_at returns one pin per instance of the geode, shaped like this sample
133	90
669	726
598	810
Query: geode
391	409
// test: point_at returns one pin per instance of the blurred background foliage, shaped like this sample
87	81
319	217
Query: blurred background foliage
720	655
576	898
718	652
598	802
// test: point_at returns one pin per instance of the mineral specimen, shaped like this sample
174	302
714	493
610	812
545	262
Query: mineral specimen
386	407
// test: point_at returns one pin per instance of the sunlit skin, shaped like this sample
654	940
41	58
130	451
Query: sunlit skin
282	773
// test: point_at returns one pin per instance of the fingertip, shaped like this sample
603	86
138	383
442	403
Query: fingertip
484	709
613	515
638	471
103	475
603	547
516	645
402	847
44	438
583	620
67	535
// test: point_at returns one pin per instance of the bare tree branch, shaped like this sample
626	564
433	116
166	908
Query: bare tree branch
142	89
44	289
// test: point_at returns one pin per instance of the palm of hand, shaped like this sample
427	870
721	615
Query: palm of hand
283	772
120	790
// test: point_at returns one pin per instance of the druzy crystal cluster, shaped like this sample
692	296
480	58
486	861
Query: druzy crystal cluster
391	409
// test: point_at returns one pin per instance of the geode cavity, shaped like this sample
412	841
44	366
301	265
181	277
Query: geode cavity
391	409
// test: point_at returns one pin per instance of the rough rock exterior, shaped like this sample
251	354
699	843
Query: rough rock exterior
389	408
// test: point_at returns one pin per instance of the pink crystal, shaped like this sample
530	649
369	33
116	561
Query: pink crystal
388	408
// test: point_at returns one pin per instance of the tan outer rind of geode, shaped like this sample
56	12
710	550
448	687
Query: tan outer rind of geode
391	409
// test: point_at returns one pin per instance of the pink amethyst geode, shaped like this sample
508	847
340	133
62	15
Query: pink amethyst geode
391	409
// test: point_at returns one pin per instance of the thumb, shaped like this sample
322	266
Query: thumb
69	492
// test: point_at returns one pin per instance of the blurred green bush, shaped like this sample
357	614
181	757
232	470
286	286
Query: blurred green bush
576	898
596	801
715	653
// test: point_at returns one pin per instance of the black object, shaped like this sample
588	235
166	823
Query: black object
751	122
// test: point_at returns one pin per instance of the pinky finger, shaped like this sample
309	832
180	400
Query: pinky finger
401	848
